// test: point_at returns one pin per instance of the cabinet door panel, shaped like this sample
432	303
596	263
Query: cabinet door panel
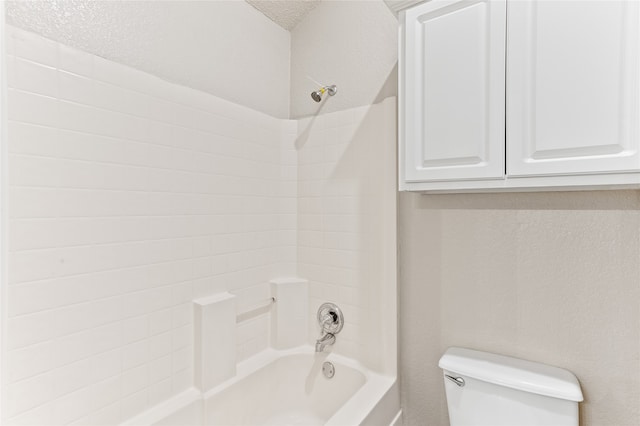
453	106
572	87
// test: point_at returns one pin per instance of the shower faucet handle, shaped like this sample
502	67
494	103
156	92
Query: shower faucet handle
330	318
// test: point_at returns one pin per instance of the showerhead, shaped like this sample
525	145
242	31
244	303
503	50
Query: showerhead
317	95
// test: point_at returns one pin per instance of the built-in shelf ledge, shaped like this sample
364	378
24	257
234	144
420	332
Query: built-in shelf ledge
215	340
289	317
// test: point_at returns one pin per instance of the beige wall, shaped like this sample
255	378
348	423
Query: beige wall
551	277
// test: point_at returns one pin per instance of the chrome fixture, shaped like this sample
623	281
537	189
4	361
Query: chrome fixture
256	309
457	380
326	340
328	370
331	322
317	95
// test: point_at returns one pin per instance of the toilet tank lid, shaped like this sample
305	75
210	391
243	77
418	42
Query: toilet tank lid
514	373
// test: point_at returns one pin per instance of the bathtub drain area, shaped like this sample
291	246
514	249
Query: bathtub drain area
328	370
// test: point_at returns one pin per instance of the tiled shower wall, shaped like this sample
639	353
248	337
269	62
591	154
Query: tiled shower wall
347	226
129	197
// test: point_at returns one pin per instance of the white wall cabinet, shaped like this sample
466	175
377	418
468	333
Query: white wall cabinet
454	65
519	95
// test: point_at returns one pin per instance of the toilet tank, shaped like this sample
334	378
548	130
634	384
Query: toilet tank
489	389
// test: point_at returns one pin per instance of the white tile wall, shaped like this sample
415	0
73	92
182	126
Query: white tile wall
346	226
129	197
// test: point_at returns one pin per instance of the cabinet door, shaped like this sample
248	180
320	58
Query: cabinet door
452	83
572	87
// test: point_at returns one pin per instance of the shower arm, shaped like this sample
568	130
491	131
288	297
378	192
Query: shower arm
317	95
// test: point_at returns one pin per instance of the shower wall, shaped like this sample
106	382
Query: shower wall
129	197
346	226
347	171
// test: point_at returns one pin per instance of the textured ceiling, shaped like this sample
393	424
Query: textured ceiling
398	5
286	13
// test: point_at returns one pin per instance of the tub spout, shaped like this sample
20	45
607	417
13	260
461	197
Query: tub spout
327	339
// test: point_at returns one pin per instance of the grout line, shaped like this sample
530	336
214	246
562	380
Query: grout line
120	346
125	139
100	299
145	167
181	215
84	302
51	401
156	240
233	121
147	191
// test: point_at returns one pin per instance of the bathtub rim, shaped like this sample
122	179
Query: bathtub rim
262	359
354	411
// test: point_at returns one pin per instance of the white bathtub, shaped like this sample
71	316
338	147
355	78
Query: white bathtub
278	388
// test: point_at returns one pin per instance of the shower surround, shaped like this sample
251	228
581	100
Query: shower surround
346	226
130	197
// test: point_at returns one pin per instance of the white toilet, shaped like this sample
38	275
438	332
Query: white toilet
489	389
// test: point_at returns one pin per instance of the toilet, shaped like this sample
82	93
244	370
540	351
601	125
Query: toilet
488	389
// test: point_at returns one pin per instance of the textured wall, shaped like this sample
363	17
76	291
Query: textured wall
551	277
129	197
346	226
352	44
226	48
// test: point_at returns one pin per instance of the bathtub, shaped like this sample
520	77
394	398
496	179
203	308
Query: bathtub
278	388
